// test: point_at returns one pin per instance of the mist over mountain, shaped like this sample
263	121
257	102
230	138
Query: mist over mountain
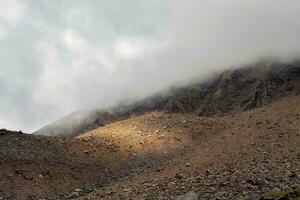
231	92
238	132
150	100
59	57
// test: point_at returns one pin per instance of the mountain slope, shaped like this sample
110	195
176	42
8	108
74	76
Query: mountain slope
160	155
234	137
232	92
232	157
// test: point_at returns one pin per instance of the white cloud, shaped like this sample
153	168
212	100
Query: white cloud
11	11
100	52
54	83
220	33
129	49
5	124
2	34
74	41
62	56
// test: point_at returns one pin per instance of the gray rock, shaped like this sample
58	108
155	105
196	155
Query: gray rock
79	190
189	196
73	195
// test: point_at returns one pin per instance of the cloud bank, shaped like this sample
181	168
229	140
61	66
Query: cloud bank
57	57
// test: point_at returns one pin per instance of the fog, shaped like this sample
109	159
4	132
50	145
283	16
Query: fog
57	57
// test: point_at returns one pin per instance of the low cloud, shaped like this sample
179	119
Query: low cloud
65	56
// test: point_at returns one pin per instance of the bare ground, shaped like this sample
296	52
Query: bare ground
160	156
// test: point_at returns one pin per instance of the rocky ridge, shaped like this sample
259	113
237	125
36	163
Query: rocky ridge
231	92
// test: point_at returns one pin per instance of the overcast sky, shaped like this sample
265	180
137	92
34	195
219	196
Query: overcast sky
57	56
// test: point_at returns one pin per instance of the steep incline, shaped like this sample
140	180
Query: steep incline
232	92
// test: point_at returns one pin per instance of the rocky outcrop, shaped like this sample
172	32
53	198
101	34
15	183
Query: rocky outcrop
239	90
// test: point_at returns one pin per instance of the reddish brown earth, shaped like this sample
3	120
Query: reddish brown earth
231	157
160	156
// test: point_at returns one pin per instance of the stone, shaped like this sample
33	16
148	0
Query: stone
73	195
79	190
179	176
159	169
86	152
189	196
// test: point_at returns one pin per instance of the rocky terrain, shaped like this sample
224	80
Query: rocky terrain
231	92
234	157
161	156
236	137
